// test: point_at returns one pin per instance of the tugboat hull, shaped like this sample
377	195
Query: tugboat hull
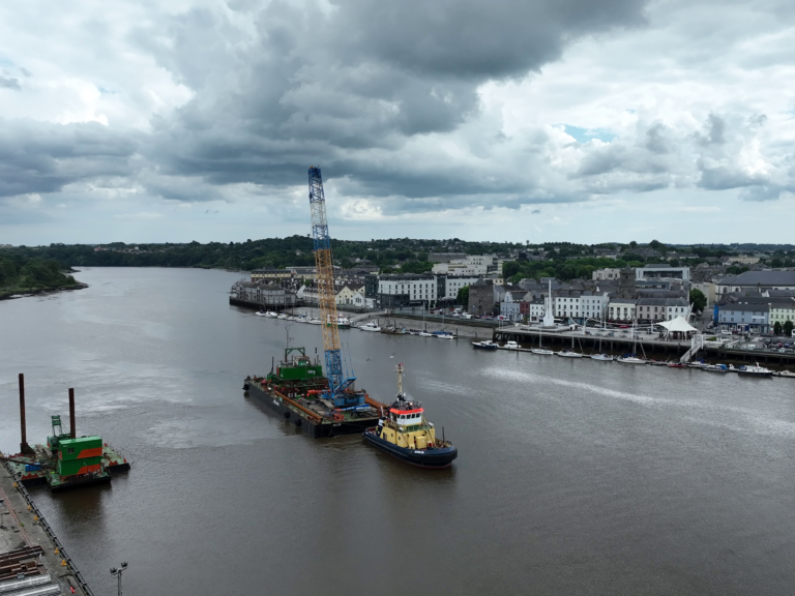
422	458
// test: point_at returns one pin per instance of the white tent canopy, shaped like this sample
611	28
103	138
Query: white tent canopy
678	324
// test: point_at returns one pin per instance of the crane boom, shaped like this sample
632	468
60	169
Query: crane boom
325	289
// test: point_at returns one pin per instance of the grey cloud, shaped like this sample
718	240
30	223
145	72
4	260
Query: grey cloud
722	177
657	140
714	130
42	157
332	87
472	39
10	83
764	192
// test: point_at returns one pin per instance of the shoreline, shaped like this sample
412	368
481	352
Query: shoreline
44	291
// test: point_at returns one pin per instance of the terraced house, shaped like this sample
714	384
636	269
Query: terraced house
781	312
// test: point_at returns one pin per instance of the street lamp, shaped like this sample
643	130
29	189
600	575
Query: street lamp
118	572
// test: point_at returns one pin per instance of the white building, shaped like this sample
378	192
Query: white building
606	274
661	309
622	309
403	289
453	283
653	272
411	288
470	265
580	305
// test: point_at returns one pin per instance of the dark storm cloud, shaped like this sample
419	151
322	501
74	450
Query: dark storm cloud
470	39
332	87
40	157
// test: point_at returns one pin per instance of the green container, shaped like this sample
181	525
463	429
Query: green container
73	448
300	373
72	467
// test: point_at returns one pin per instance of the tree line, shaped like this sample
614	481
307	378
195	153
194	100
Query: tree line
20	274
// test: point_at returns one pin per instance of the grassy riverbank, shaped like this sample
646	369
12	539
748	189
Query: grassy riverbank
28	276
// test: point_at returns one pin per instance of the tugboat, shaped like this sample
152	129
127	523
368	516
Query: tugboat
408	436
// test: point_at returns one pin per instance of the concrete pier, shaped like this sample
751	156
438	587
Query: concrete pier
29	550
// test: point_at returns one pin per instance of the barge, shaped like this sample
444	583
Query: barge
66	461
298	391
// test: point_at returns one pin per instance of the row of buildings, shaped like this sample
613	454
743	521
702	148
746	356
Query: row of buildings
754	300
577	301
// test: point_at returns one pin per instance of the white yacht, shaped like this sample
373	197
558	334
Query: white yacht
602	357
542	352
569	354
755	371
511	345
371	326
630	360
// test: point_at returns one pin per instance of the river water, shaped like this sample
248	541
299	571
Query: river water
573	477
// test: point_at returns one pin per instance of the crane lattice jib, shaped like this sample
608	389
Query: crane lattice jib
325	280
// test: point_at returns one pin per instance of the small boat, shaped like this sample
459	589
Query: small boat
425	334
718	368
602	357
261	313
371	326
511	345
755	371
281	316
677	365
786	373
542	352
658	363
406	435
445	335
699	364
627	359
484	345
301	319
569	354
271	314
314	321
414	331
342	323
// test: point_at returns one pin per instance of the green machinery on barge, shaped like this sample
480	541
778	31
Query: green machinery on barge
298	391
66	461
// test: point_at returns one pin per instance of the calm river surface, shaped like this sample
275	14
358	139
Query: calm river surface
574	477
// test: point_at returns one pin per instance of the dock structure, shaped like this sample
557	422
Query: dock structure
578	340
598	341
32	558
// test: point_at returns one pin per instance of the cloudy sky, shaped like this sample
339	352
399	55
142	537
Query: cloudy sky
534	120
